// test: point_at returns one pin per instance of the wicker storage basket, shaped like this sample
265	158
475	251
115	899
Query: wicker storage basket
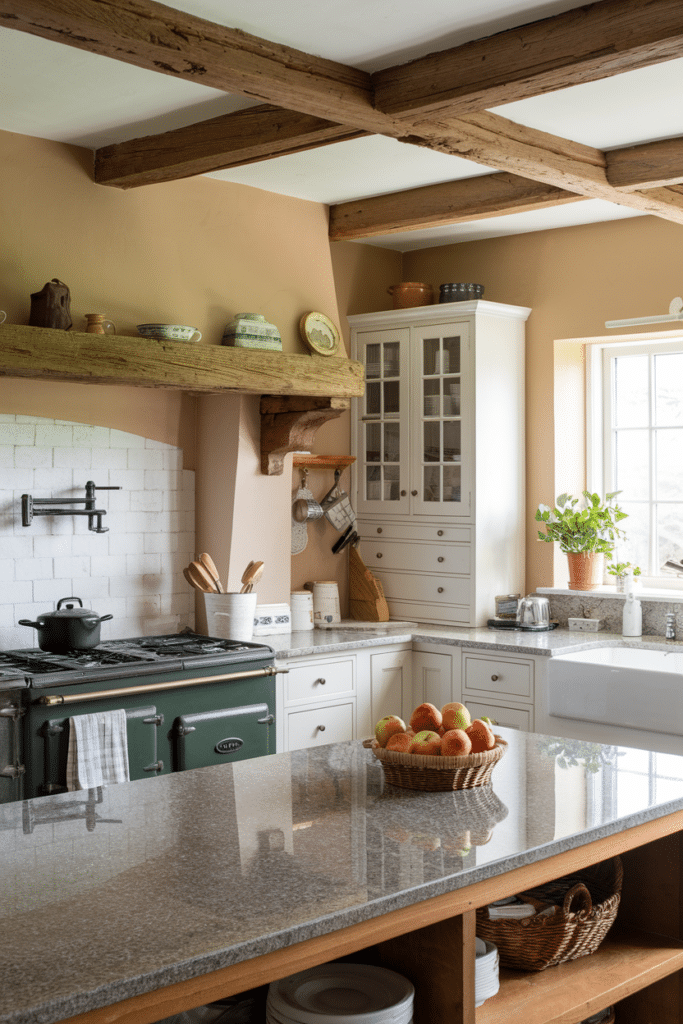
436	773
587	904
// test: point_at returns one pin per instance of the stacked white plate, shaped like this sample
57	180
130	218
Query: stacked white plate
486	982
341	994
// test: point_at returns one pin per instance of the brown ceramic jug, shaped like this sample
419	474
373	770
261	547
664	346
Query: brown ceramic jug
51	307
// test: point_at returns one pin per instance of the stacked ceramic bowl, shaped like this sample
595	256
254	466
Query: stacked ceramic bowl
486	982
341	993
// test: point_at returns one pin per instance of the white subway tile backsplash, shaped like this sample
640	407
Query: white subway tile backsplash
16	433
134	570
33	569
52	435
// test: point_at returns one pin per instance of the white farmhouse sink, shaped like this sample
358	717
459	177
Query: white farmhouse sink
624	686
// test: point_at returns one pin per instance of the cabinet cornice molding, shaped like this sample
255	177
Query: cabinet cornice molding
441	312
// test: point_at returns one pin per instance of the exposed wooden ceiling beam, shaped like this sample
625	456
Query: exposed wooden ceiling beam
231	140
494	141
650	165
450	202
151	35
581	45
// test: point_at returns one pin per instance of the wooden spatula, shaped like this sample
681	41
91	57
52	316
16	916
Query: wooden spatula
202	577
210	566
193	580
251	575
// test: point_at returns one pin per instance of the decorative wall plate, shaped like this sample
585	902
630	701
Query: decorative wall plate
319	333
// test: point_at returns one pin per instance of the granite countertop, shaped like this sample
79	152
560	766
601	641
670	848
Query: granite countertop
113	893
546	643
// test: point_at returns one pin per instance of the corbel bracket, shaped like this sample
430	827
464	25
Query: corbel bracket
289	424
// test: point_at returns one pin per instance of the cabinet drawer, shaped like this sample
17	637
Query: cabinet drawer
319	681
434	589
330	723
411	531
514	718
416	557
489	675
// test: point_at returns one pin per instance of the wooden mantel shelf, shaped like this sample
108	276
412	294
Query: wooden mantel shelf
47	354
329	382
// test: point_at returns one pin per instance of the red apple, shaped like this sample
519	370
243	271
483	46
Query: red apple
388	726
456	716
481	735
426	742
399	741
425	716
455	742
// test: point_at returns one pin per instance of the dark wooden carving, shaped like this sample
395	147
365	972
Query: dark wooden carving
51	307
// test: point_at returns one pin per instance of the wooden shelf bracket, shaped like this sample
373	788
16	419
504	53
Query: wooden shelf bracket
289	424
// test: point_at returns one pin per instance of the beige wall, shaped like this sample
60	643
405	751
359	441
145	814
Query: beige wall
193	252
574	279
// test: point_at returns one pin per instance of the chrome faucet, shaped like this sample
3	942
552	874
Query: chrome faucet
670	631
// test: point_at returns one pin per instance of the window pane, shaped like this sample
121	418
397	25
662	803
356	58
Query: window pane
451	441
432	488
372	442
669	533
669	389
430	348
452	348
631	406
372	361
372	399
392	440
391	404
391	483
391	354
669	465
636	547
631	464
432	447
451	483
451	397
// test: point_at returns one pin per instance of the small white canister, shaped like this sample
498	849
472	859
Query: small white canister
301	605
325	601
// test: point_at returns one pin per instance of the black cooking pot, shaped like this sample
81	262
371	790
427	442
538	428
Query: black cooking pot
67	629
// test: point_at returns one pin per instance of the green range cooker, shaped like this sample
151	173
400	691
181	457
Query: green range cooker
190	701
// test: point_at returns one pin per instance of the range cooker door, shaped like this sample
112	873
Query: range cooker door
216	737
50	741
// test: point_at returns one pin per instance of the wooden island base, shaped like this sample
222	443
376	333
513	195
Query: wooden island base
432	944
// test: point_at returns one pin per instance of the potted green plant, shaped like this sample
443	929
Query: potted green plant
620	570
586	531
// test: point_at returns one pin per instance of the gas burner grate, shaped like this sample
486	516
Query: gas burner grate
29	663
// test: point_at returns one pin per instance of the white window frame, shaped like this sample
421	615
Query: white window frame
597	445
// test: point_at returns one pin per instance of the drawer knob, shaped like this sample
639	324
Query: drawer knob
321	728
320	680
403	494
440	590
440	558
379	554
439	533
414	493
494	678
379	529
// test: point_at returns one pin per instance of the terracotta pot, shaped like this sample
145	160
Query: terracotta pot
411	293
585	570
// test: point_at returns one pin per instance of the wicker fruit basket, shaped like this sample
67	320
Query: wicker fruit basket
587	904
436	773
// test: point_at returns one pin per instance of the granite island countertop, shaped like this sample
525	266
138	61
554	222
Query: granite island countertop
545	643
109	894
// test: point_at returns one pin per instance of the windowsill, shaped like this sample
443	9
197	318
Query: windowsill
643	593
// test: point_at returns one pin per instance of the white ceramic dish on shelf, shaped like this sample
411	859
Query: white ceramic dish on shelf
341	993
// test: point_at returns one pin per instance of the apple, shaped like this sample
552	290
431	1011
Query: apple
426	742
481	735
455	742
455	716
388	726
400	741
425	716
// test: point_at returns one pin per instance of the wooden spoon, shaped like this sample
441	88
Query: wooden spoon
194	580
202	577
251	575
210	566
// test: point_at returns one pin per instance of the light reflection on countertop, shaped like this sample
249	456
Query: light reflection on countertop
187	873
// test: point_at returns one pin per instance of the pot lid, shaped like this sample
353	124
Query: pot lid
69	611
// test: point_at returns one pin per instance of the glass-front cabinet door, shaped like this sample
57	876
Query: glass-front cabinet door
441	412
383	442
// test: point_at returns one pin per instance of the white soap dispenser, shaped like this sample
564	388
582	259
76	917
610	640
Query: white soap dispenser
632	623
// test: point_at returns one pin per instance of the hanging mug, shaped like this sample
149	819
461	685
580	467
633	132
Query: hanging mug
325	601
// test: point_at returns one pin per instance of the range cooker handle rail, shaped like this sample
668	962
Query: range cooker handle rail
175	684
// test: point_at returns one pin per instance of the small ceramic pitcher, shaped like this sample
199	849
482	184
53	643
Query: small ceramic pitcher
325	601
97	323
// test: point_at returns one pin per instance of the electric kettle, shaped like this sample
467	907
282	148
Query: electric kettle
533	610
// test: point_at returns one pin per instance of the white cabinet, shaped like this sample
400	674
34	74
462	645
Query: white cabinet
436	675
500	686
439	444
328	698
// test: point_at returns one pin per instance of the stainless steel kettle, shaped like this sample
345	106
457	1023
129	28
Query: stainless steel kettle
533	610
